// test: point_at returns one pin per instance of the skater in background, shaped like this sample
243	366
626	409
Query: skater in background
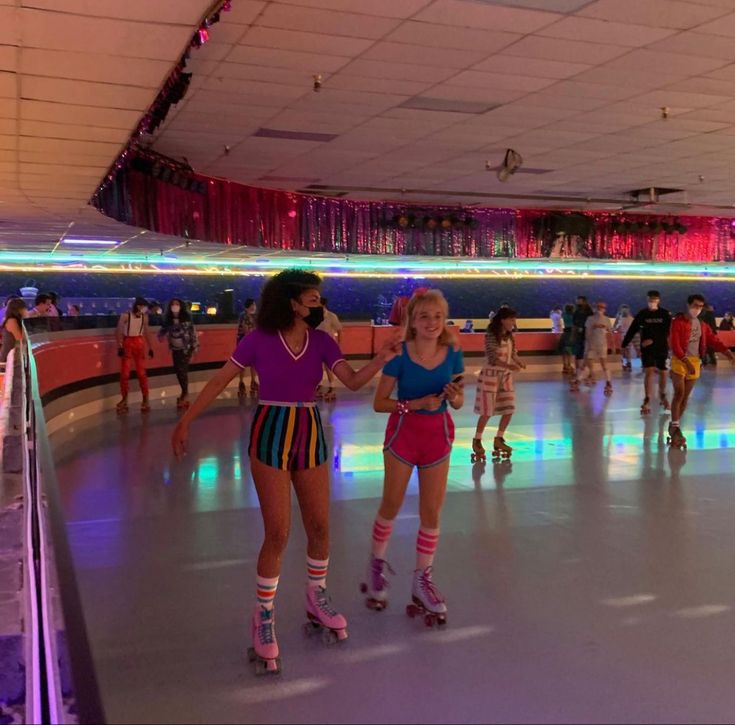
556	316
566	342
133	336
727	323
420	432
179	331
579	319
12	327
495	391
598	340
333	327
245	325
623	321
708	318
652	324
288	447
690	338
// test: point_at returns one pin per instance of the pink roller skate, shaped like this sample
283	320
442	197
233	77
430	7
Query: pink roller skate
264	652
376	586
428	601
323	617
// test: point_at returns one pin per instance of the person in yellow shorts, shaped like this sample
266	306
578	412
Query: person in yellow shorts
689	340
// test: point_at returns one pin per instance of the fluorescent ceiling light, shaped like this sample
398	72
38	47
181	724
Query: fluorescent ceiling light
91	242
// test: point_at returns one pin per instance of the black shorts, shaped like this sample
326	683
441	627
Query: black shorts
579	345
654	358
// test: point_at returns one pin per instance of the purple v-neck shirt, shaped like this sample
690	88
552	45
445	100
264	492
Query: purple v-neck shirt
284	376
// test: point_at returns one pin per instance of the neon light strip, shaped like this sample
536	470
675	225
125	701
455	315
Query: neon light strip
91	242
368	267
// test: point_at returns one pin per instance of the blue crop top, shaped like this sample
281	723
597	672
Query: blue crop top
415	381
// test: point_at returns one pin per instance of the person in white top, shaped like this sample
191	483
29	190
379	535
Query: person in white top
557	326
598	338
333	327
623	321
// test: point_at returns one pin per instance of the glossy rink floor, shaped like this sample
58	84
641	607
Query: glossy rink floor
593	582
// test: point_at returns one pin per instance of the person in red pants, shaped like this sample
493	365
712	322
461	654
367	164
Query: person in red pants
133	336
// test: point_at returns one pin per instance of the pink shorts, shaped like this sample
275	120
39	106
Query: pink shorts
418	439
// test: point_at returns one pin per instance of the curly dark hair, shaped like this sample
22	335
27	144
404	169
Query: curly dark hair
275	313
496	329
184	316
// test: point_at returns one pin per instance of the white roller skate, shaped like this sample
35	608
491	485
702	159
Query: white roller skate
377	584
264	652
323	617
427	600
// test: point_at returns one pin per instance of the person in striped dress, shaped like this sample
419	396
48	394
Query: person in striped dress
288	447
495	391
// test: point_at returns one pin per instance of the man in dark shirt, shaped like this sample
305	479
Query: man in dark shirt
708	318
654	324
582	311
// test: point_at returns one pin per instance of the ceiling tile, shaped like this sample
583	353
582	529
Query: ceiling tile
83	115
330	22
570	51
402	71
8	58
183	12
670	63
8	86
707	46
384	8
307	42
56	31
655	13
85	93
437	35
417	55
272	57
722	26
376	85
530	67
477	79
41	129
600	31
468	14
93	67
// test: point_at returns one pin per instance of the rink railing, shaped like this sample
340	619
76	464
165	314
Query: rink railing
56	643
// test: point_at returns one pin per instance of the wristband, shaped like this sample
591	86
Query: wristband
402	407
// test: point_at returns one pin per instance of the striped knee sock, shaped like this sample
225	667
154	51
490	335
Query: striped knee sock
317	572
382	529
266	591
426	544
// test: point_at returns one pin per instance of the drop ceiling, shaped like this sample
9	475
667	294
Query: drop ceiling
417	95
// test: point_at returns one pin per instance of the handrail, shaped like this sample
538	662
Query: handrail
49	540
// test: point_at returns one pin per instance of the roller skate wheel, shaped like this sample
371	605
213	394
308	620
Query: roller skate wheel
429	620
310	628
412	610
441	620
363	588
251	654
329	637
267	667
341	635
375	605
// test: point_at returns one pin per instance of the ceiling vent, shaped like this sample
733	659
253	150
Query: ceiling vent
425	103
294	135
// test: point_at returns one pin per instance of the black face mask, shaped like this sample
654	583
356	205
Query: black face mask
315	316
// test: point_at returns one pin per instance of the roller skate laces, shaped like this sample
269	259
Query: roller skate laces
427	600
264	652
377	585
323	617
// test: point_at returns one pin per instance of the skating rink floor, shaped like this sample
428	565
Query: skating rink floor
593	582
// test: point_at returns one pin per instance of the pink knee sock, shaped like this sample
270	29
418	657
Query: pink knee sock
426	545
382	529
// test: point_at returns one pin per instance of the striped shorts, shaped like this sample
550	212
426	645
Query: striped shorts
288	437
495	392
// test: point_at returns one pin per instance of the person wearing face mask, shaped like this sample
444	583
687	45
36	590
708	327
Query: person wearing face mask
653	323
598	332
690	338
287	442
133	336
183	342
